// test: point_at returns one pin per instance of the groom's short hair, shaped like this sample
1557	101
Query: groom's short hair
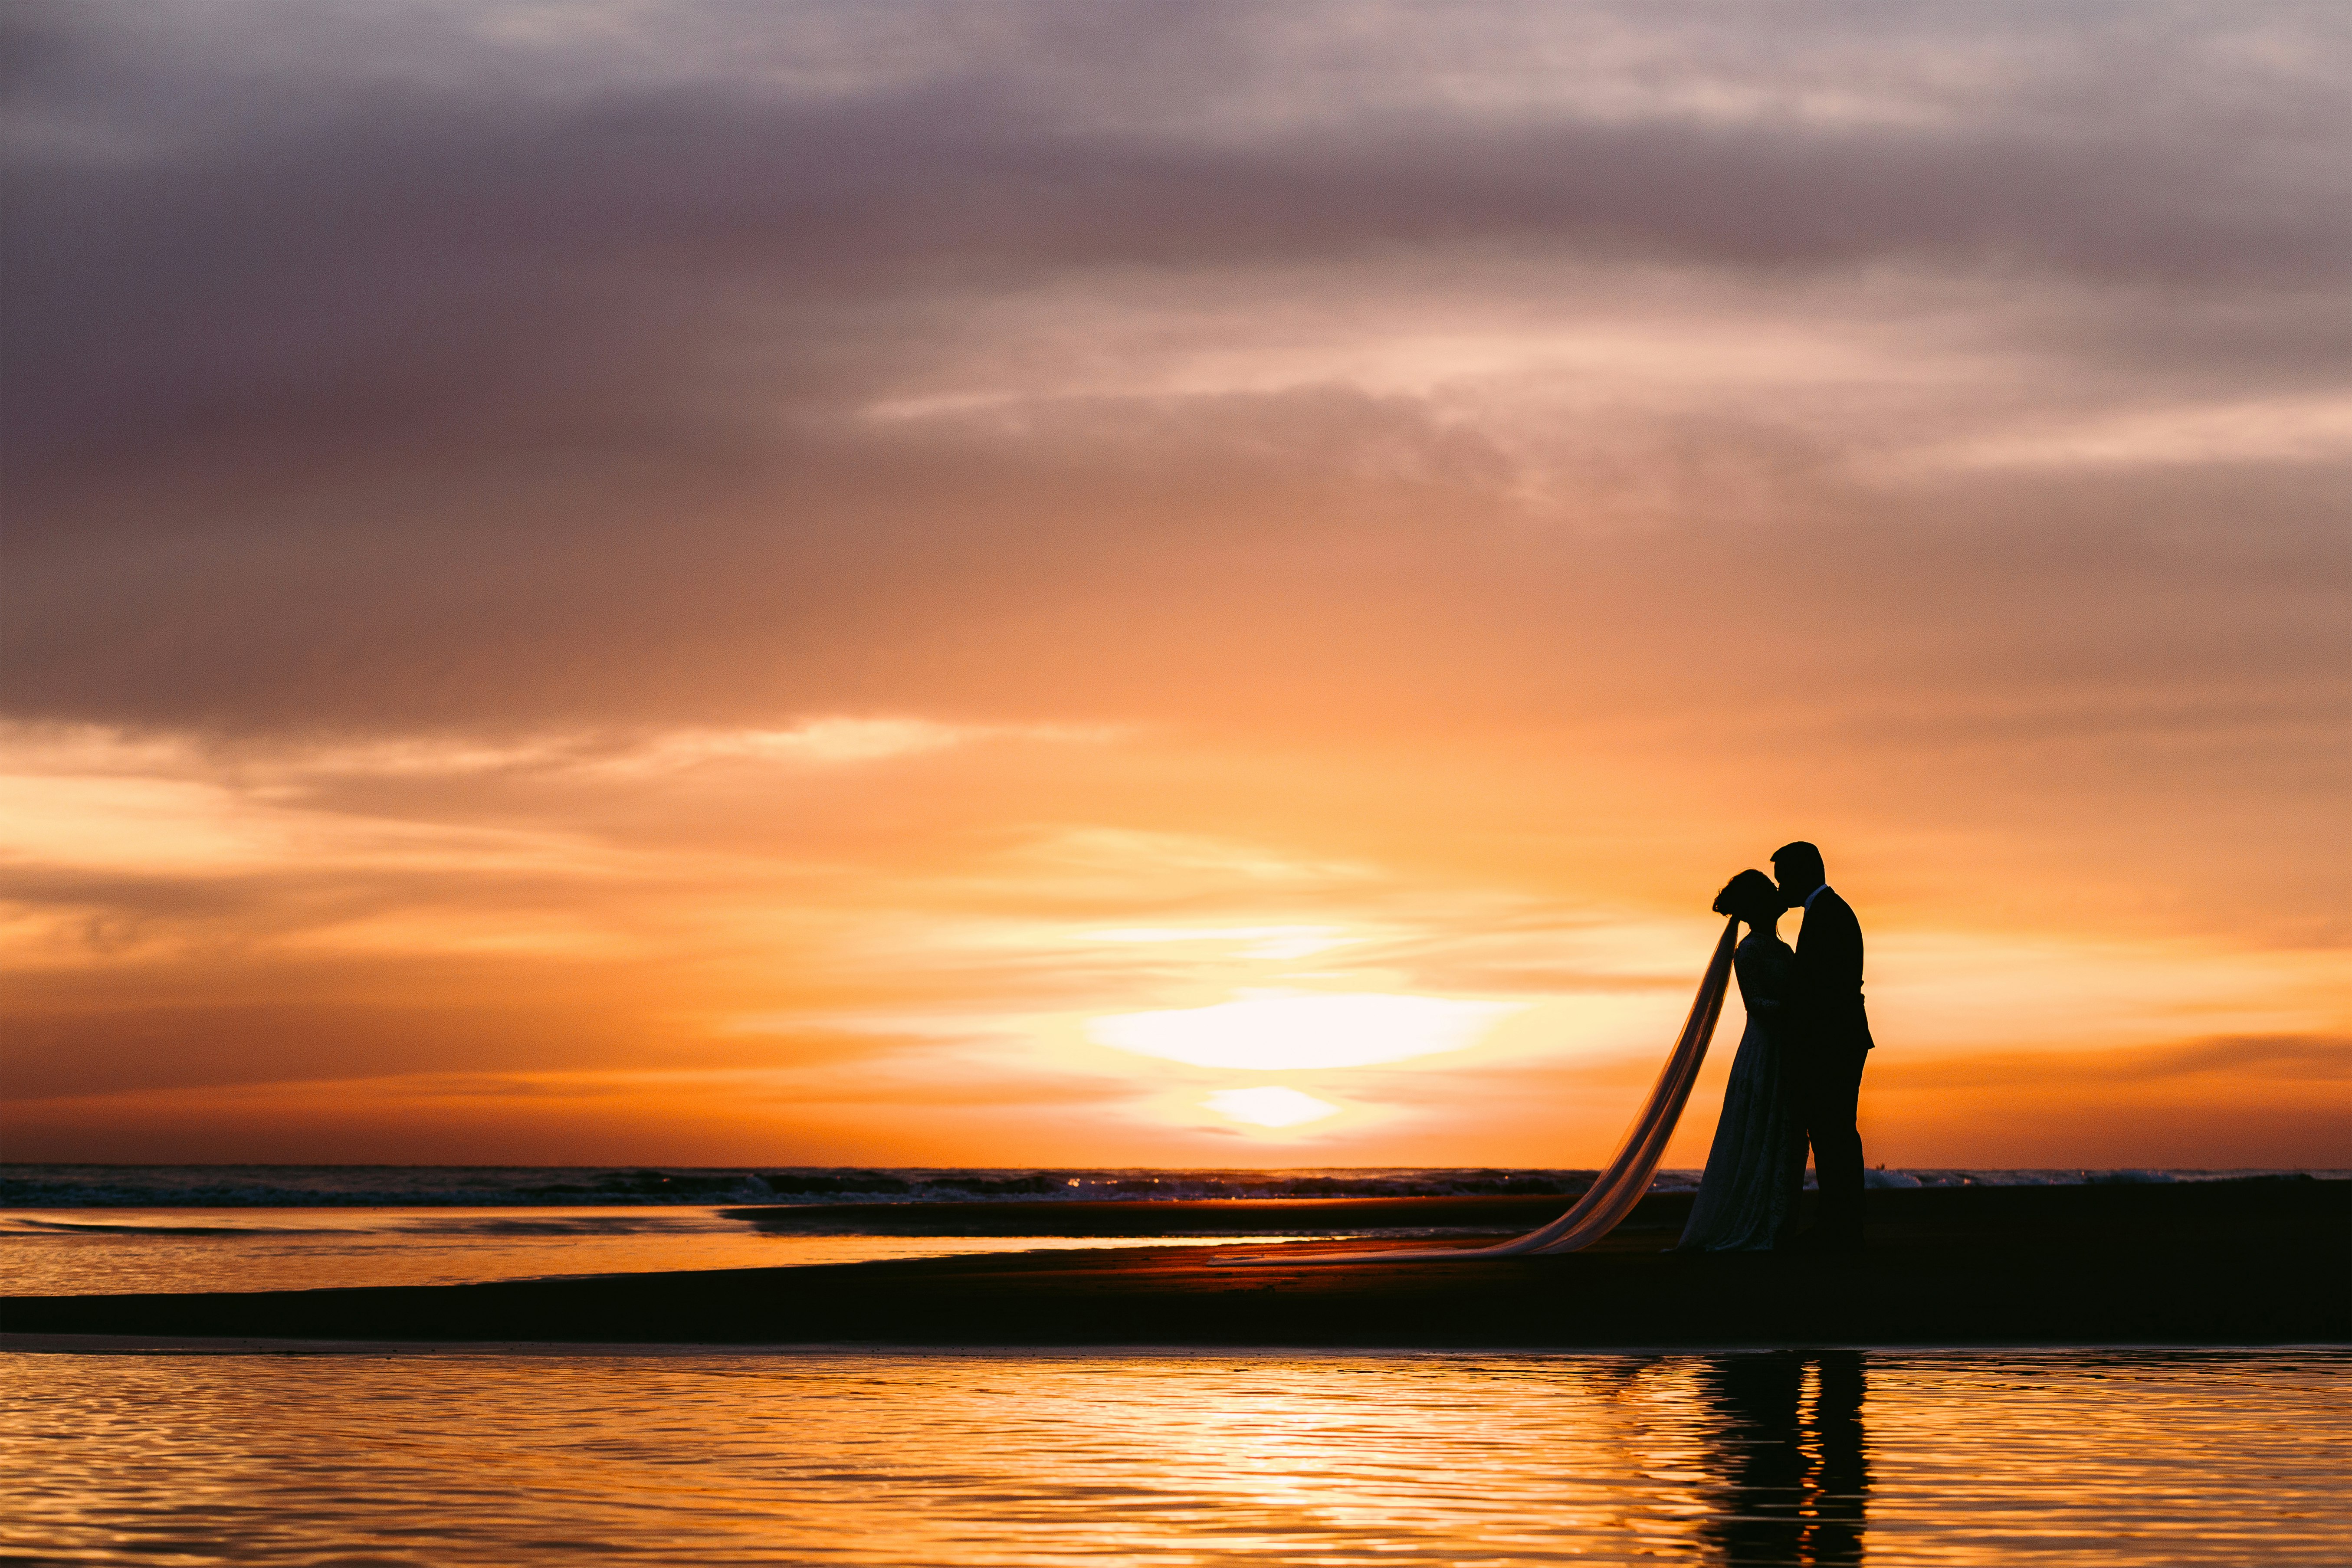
1798	854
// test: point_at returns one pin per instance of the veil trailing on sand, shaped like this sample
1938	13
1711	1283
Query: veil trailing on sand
1627	1175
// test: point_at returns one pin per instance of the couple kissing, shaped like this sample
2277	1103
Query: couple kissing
1797	1073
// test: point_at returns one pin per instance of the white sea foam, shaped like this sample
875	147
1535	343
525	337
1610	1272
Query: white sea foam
61	1186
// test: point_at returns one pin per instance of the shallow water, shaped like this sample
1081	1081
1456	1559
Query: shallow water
1333	1459
82	1252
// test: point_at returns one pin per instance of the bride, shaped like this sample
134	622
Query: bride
1757	1165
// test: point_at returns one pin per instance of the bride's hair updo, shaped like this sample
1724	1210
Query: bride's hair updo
1751	895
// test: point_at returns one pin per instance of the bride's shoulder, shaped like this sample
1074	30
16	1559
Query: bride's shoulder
1763	944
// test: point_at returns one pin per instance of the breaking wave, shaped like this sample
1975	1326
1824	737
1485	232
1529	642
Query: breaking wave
49	1187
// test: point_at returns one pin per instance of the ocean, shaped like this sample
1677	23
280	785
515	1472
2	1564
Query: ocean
379	1455
34	1186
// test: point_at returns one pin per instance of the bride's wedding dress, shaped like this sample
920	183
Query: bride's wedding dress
1755	1167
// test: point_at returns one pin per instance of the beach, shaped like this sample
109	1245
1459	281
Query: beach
2228	1263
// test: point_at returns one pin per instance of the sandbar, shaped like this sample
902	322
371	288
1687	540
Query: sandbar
2224	1263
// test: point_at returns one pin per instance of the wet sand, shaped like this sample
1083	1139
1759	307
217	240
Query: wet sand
2266	1262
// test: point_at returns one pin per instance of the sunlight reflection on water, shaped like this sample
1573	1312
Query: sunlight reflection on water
954	1459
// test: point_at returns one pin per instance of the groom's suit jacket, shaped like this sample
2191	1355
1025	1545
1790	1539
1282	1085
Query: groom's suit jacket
1825	986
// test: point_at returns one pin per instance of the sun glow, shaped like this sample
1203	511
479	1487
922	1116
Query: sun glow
1270	1106
1274	1031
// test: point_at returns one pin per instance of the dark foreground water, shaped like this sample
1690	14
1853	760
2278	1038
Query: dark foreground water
1883	1458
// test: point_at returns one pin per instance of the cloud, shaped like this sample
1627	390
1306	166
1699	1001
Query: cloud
429	226
2289	1059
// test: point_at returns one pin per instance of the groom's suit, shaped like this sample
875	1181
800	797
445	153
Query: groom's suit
1829	1038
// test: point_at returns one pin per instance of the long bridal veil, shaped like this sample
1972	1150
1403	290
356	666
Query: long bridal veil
1627	1175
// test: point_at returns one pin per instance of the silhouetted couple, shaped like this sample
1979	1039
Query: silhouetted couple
1798	1074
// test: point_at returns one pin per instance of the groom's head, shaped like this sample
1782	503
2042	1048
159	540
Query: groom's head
1798	868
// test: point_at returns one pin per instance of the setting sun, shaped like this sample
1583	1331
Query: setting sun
1269	1106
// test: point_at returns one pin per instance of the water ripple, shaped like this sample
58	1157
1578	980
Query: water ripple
1338	1460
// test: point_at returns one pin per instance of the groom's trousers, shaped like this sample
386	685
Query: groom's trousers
1829	1085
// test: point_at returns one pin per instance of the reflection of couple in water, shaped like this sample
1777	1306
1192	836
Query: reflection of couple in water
1793	1481
1797	1073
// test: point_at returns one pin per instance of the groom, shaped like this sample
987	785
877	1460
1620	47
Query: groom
1829	1038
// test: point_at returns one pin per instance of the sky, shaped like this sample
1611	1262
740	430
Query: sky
1166	584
